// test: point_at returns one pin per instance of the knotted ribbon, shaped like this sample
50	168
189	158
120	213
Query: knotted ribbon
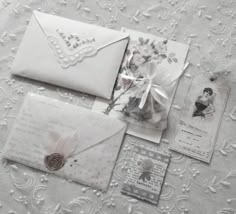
155	84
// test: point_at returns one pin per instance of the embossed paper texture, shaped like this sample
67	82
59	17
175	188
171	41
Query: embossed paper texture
191	186
71	54
66	140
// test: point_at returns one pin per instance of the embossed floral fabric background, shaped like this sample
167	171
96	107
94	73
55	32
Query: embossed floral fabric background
209	27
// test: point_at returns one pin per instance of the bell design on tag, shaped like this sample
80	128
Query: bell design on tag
147	167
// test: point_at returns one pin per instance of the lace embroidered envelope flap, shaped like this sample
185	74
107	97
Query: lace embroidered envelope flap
71	54
66	140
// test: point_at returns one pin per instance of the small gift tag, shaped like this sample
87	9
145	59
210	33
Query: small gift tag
145	176
200	118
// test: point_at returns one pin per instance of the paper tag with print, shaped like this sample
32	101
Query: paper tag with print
200	118
146	173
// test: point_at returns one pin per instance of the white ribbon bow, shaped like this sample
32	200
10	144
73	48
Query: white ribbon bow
155	83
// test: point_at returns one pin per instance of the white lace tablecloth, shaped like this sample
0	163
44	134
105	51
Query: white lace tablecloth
209	27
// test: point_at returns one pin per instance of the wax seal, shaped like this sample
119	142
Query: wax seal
54	161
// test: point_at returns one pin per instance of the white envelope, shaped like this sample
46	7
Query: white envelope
89	142
71	54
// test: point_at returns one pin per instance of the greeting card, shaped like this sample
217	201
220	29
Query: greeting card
146	84
199	121
146	173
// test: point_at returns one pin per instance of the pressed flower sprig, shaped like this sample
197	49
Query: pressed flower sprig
139	54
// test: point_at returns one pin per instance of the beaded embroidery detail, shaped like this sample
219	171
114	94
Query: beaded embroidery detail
74	49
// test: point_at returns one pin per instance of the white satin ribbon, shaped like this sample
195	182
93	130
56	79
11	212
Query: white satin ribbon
157	87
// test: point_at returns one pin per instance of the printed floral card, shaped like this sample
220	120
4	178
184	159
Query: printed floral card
146	84
200	118
145	175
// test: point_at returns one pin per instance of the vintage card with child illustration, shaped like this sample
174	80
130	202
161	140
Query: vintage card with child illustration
145	175
146	84
200	118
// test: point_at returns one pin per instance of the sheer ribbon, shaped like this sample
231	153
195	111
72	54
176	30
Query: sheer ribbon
155	83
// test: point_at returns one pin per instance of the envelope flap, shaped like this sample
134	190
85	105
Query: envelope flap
98	130
72	41
84	129
71	125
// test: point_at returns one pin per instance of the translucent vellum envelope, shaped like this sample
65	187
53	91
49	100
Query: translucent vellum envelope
71	54
66	140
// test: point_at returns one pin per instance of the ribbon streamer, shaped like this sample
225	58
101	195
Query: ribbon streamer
155	85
